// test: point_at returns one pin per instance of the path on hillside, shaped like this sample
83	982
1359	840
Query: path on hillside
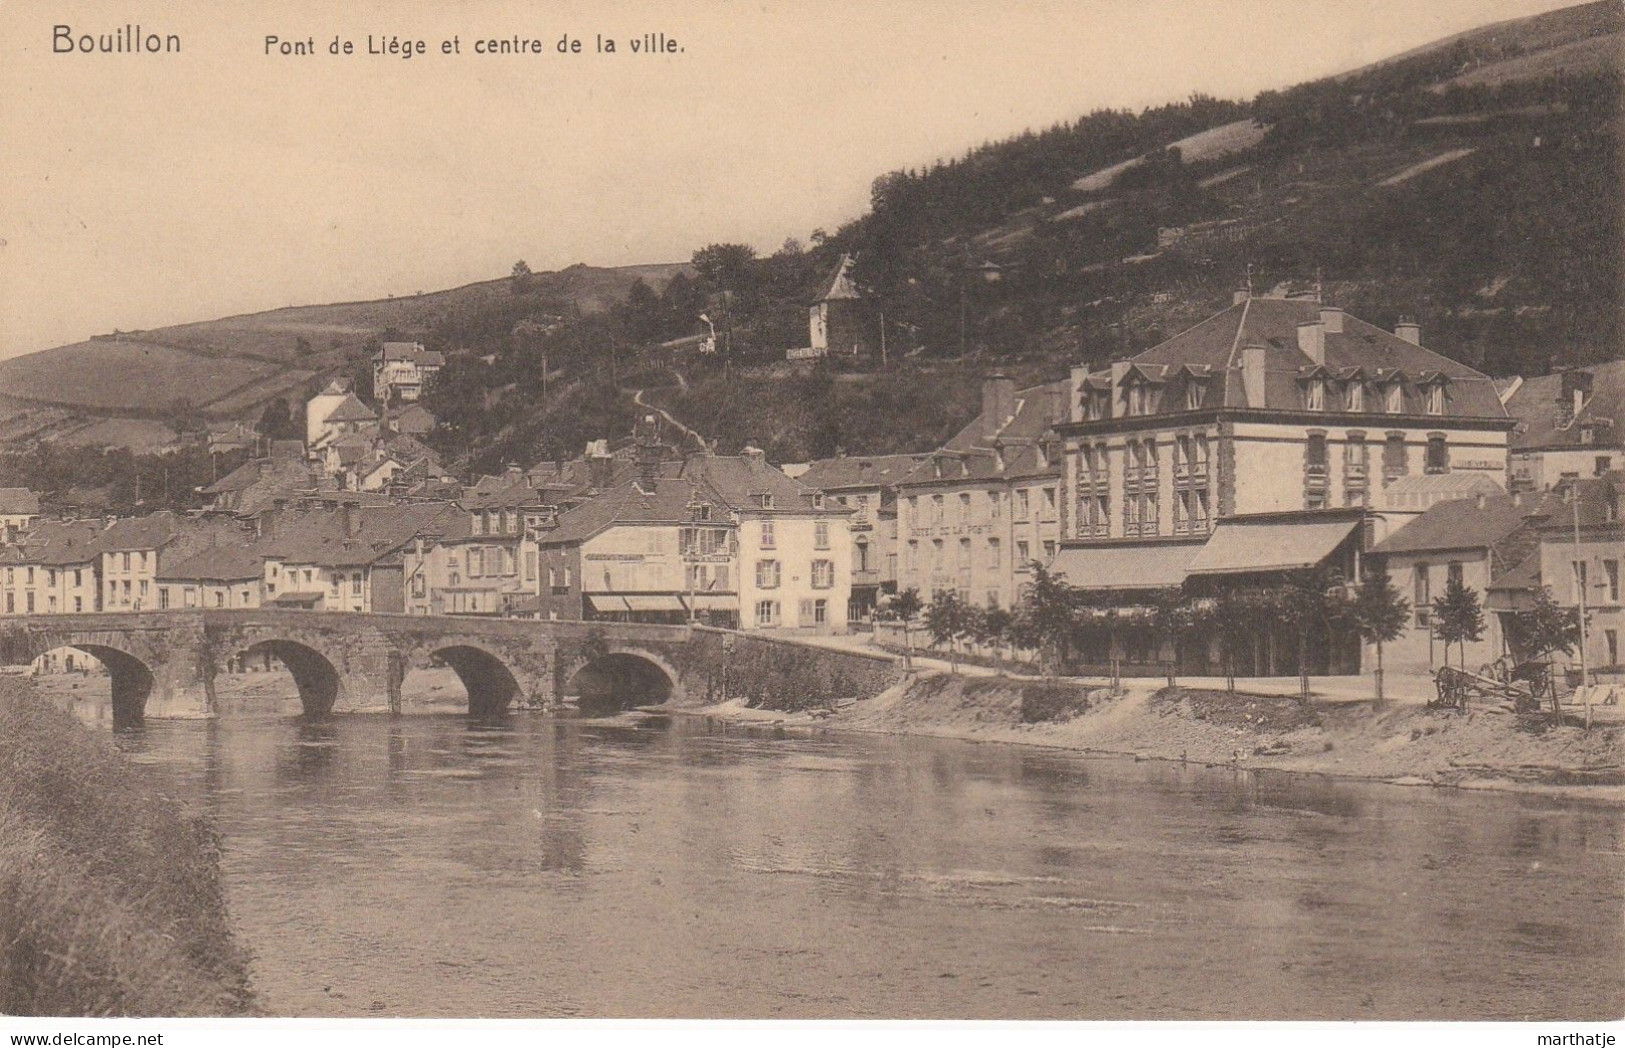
637	398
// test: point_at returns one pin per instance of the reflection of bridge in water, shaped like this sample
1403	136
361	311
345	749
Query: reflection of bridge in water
164	663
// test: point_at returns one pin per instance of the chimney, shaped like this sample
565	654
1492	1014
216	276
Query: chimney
1409	330
1119	371
1312	339
753	455
998	402
349	522
1331	318
1252	374
1057	403
1480	500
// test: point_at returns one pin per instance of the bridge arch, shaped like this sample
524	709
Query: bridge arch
131	678
490	684
621	679
320	686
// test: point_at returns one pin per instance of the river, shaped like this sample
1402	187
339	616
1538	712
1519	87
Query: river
682	867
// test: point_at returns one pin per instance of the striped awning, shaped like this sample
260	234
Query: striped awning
607	604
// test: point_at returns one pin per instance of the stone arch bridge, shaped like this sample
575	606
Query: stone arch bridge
164	663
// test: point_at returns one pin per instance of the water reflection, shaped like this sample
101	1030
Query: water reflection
653	866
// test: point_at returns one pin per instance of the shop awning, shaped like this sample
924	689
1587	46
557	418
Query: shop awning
655	602
713	601
607	604
1147	566
1238	547
297	600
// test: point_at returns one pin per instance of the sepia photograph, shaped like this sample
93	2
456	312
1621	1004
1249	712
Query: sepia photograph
1094	511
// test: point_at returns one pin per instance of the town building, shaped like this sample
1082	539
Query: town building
1570	425
51	568
348	418
415	421
342	555
19	508
229	575
836	323
867	485
725	540
481	561
1487	543
1273	404
318	407
974	516
401	371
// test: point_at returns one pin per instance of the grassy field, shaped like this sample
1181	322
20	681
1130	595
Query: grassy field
110	898
117	374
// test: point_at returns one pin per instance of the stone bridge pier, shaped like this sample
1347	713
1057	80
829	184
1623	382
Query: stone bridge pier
164	664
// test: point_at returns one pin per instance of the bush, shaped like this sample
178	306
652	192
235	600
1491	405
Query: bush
1045	703
110	899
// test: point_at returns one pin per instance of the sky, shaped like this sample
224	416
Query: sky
141	190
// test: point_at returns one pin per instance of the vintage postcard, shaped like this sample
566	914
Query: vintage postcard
1073	510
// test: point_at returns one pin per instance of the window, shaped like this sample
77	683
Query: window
913	563
1610	570
767	613
1454	575
476	562
820	613
821	534
823	574
993	554
767	574
1023	554
476	523
937	560
420	585
1195	392
767	534
219	599
566	578
964	555
964	507
1438	454
1315	451
1422	594
1356	396
355	584
530	565
1023	504
995	505
818	500
1611	642
79	602
1049	549
1315	395
1395	460
1603	464
702	511
1435	398
765	500
126	562
936	509
78	577
1394	398
1049	503
860	555
30	601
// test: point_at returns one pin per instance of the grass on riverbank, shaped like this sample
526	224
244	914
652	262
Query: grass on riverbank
110	898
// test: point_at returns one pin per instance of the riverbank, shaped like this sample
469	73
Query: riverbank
1403	744
110	896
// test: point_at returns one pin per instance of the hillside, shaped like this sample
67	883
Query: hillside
1472	184
124	388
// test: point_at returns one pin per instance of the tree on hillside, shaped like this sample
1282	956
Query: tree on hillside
905	607
1457	618
277	422
1380	614
521	280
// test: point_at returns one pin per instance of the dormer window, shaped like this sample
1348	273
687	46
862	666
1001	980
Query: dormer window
1315	395
1356	396
1434	397
765	500
1139	399
1394	398
701	511
818	500
1195	393
1099	404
